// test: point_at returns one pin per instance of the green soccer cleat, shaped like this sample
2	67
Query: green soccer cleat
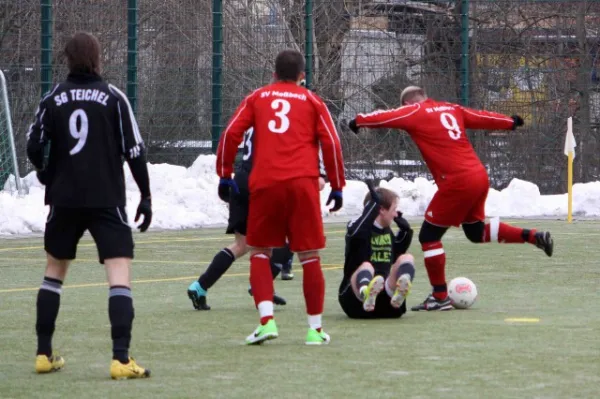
263	333
314	337
370	293
403	287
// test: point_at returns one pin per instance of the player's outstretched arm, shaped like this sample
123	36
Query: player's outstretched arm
397	118
478	119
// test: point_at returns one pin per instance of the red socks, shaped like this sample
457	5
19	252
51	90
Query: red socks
496	231
261	282
313	284
435	263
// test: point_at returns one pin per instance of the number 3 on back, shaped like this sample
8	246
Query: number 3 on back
78	117
282	109
450	123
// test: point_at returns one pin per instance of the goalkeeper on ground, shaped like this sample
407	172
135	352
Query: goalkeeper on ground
376	260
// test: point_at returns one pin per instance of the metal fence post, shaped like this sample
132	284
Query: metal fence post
464	54
132	39
308	41
46	36
217	72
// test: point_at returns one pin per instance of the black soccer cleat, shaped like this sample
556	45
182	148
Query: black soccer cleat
199	301
543	240
431	303
277	299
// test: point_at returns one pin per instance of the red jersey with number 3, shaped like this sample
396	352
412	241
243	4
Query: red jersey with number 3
438	129
289	123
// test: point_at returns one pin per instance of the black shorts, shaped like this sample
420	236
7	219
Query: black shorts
238	205
108	227
354	308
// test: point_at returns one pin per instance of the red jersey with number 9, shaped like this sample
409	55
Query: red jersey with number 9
438	129
289	123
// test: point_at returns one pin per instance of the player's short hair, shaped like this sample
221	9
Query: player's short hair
83	53
387	197
289	64
411	92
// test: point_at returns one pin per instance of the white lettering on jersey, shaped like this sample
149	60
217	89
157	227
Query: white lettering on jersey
283	94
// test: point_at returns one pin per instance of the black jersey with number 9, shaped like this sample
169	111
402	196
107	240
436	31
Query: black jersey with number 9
90	127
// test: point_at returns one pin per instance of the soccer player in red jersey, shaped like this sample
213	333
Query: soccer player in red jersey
289	124
439	131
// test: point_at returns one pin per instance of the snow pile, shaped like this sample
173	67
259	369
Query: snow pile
187	198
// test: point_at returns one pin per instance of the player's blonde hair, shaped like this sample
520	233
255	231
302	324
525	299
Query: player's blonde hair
411	92
387	197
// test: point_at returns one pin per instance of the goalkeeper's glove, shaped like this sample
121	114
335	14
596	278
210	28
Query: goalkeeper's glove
337	198
404	236
226	186
517	121
144	208
352	125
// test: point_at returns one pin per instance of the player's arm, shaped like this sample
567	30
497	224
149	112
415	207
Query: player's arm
134	151
232	137
38	136
403	237
398	118
362	225
477	119
132	145
331	147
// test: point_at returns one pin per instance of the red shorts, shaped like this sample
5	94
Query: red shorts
292	210
459	199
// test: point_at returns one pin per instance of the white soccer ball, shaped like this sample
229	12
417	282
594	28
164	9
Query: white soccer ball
462	292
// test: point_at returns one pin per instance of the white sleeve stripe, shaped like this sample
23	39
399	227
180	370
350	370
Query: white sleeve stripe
387	120
335	160
121	127
42	125
335	134
488	116
224	136
134	126
360	221
50	93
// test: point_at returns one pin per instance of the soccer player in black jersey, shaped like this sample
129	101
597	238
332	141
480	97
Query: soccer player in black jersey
90	128
376	260
238	200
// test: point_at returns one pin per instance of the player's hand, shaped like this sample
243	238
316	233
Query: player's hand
352	125
226	186
517	121
321	183
337	198
144	208
402	223
42	176
375	197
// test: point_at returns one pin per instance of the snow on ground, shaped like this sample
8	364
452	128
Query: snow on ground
187	198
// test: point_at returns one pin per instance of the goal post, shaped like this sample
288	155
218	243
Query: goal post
8	153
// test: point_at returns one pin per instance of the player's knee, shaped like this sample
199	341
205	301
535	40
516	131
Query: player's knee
367	266
239	248
406	258
474	231
303	256
431	233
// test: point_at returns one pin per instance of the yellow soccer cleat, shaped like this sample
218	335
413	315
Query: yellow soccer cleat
120	371
45	364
